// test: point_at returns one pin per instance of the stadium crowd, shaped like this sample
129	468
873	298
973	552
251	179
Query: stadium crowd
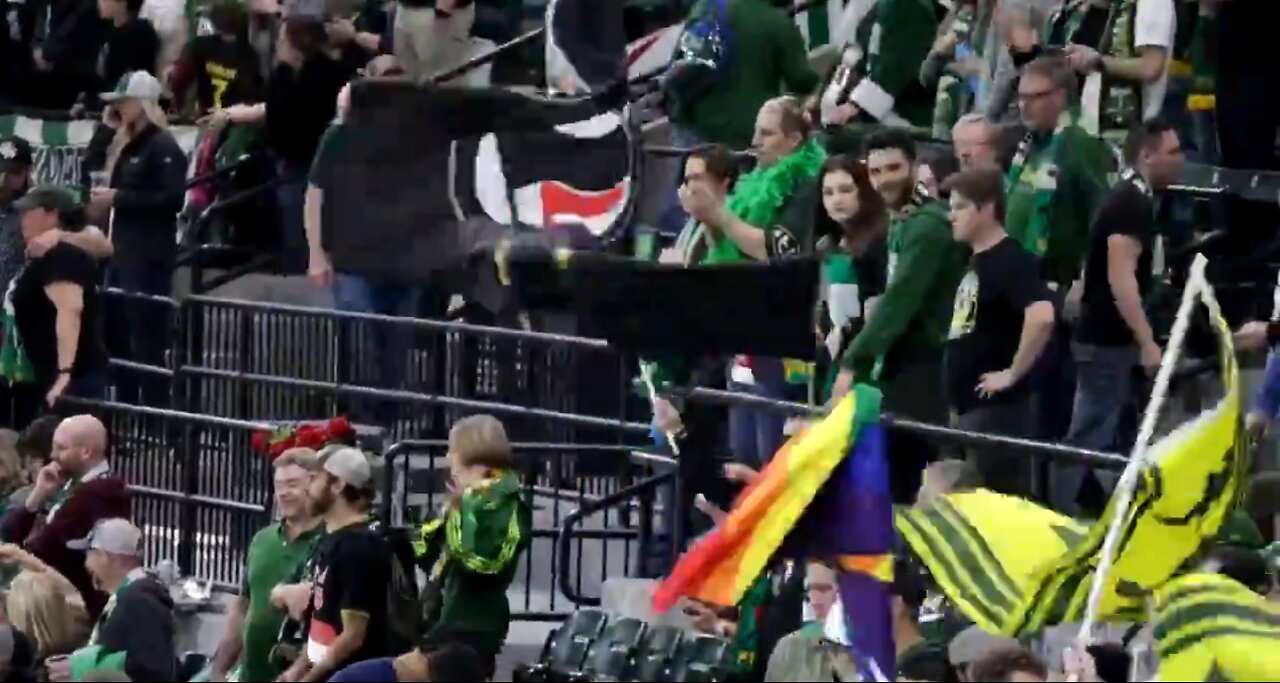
1000	283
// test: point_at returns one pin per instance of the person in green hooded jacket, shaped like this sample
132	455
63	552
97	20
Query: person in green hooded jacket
473	551
900	348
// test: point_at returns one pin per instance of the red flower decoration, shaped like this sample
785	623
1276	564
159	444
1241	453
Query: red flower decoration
313	436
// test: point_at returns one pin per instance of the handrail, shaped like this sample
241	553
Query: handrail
483	59
416	397
416	323
200	418
216	173
565	535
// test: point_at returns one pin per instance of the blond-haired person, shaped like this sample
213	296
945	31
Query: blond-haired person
474	550
43	605
138	194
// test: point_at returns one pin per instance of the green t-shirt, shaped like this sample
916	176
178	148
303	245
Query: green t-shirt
321	173
273	559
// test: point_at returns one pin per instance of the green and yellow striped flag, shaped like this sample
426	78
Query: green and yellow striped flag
1211	628
1193	481
983	550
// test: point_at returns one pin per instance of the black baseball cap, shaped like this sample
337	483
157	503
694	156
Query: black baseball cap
15	154
48	197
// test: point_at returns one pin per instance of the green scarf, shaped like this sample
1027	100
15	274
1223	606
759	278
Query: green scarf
469	527
1031	197
760	194
15	366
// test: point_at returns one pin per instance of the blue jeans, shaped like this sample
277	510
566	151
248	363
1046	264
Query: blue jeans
377	352
754	434
1104	388
291	196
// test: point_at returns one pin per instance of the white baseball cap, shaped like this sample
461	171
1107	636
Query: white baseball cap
116	536
135	85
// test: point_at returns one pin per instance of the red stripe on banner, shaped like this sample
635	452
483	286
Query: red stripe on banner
558	198
642	47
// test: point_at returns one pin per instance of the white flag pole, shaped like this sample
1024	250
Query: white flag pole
1137	458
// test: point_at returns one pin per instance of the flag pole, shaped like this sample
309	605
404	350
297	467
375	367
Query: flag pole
1191	293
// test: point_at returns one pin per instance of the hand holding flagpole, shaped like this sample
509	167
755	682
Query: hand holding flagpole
1191	294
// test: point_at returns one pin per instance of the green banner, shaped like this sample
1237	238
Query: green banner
58	147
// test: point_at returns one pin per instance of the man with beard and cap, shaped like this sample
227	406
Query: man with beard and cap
901	346
351	572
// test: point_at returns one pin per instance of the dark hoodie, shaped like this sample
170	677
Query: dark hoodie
141	625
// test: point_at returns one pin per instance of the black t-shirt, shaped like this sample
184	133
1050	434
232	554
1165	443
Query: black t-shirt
986	325
1126	210
352	572
227	72
133	46
301	105
36	316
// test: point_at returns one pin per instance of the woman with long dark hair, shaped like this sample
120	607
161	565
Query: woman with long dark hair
850	227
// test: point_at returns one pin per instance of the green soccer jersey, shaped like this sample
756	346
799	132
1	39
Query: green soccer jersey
273	559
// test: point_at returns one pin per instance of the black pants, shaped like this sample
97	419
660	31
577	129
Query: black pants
914	390
147	331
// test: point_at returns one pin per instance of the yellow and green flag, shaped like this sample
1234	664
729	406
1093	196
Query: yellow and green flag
1211	628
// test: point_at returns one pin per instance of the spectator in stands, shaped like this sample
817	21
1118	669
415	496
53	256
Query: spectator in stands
135	633
16	656
768	215
275	557
901	345
19	19
44	605
351	573
851	237
223	65
35	448
130	44
66	59
13	471
886	89
1135	67
918	658
1008	665
713	168
355	39
1058	174
1002	321
471	575
945	477
300	106
430	661
432	35
1113	334
53	318
807	654
71	495
768	59
975	140
957	67
148	172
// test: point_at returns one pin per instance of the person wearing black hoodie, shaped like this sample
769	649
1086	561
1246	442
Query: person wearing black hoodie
64	60
130	43
136	630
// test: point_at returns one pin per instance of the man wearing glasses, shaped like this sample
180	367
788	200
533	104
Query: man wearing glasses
1058	175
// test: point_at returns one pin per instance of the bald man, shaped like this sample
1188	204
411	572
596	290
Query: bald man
71	494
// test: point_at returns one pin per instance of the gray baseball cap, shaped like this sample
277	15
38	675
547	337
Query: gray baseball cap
348	464
135	85
116	536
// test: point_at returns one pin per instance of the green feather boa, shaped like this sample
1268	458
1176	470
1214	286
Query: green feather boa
760	194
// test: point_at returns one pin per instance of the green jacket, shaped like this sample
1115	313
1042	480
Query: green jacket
769	58
1083	162
925	267
898	44
472	556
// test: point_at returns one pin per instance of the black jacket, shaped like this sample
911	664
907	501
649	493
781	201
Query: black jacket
73	35
150	178
142	625
131	47
17	30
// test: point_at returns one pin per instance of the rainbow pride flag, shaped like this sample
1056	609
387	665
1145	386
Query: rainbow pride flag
824	495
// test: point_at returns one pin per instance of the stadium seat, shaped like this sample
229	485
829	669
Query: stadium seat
566	648
613	654
653	663
703	658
